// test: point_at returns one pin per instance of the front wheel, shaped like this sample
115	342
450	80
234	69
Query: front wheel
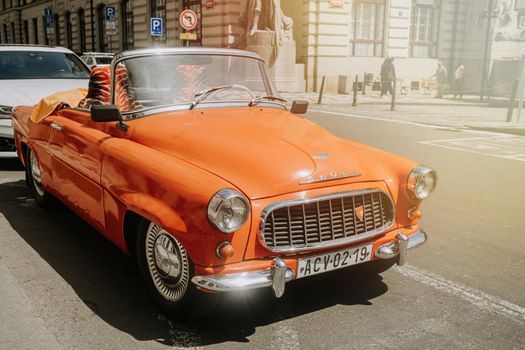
166	269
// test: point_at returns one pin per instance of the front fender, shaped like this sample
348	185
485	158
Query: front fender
168	191
154	210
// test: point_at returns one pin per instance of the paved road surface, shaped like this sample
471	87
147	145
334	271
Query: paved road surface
63	286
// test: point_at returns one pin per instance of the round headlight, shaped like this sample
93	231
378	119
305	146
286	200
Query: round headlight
421	182
228	210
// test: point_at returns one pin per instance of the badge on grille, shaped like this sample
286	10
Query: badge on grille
360	213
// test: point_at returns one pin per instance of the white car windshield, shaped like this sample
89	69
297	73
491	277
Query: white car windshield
160	80
103	60
41	65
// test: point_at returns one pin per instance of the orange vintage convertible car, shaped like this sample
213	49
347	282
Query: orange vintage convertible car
188	161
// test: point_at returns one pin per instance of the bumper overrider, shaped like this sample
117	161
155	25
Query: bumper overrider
279	273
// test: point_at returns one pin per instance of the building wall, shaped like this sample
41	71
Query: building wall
323	32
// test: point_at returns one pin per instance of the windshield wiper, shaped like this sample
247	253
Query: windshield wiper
199	97
260	99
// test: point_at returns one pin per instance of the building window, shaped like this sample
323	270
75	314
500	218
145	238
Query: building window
69	30
126	9
6	39
35	30
26	31
44	28
12	24
368	27
158	10
81	29
101	45
57	30
425	21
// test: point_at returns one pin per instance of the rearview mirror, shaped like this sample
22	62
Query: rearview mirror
299	107
105	113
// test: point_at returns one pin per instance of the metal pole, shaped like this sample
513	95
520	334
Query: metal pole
512	100
488	38
320	99
364	83
354	102
522	86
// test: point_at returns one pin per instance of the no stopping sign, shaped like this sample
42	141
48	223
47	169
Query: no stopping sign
188	19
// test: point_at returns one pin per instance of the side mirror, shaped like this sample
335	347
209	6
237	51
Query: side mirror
105	113
299	107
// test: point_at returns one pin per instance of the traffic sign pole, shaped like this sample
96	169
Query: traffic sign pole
188	21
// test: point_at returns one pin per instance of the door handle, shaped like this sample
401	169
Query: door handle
57	127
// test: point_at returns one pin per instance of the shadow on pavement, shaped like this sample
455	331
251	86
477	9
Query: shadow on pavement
100	275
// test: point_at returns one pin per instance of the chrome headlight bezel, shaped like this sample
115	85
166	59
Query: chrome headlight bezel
227	199
5	112
421	182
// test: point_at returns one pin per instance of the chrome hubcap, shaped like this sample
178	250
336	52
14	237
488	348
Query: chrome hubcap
36	174
168	263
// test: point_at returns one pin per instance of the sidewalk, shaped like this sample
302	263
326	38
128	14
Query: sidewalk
468	113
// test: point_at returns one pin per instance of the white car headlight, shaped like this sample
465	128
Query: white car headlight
5	112
228	210
421	182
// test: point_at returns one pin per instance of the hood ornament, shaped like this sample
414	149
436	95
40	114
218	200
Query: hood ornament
335	175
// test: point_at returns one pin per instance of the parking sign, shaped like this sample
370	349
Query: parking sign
49	19
110	13
157	26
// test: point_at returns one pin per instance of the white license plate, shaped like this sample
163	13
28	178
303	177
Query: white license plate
333	261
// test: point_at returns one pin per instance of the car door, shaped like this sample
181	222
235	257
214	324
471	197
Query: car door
77	151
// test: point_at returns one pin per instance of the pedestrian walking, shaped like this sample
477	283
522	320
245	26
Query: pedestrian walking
388	76
441	79
459	81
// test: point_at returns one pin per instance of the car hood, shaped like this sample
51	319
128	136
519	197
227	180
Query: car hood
28	92
262	151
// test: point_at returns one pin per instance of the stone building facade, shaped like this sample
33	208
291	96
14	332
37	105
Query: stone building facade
334	38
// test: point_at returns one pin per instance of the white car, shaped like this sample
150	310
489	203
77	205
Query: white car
97	58
27	74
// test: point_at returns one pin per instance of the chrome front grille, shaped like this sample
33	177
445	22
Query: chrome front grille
326	221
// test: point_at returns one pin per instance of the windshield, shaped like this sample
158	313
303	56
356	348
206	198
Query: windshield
104	59
41	65
161	80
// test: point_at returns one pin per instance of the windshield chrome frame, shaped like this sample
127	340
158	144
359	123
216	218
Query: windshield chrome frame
181	52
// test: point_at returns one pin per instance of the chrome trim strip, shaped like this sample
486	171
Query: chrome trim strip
331	177
335	243
203	105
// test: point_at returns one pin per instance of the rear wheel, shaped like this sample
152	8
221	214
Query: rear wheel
34	180
166	268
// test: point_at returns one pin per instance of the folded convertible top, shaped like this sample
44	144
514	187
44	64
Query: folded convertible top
49	104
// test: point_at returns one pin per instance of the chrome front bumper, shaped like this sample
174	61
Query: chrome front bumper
400	246
277	276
